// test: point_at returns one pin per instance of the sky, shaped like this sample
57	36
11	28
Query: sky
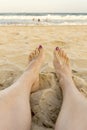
75	6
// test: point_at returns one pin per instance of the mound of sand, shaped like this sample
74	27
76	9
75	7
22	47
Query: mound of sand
46	102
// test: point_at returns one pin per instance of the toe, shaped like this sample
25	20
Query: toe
37	52
64	57
56	51
60	52
40	49
67	61
56	55
30	57
33	55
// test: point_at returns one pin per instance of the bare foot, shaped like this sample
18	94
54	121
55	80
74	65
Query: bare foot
36	59
74	107
62	66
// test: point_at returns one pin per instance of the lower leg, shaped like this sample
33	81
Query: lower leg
17	96
74	104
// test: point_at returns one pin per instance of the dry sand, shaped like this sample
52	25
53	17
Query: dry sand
16	42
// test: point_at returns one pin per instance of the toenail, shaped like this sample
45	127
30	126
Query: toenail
57	48
40	47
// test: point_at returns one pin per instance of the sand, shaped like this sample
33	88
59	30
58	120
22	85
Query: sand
16	42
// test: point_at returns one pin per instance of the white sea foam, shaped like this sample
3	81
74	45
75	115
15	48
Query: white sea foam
49	19
55	17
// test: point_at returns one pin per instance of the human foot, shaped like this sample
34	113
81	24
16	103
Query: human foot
36	59
62	66
74	106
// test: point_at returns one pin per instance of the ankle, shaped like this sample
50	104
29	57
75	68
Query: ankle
66	79
66	82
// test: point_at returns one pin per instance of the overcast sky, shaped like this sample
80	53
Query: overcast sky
43	6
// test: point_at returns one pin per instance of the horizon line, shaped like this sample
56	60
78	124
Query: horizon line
43	12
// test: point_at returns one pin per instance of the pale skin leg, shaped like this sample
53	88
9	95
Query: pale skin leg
73	113
15	113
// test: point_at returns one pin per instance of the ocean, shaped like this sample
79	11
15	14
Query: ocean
43	18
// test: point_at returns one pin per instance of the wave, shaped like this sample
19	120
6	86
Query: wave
55	17
44	19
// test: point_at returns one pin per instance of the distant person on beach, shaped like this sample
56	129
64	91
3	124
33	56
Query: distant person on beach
33	19
38	20
15	112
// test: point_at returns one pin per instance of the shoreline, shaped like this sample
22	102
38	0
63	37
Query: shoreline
10	25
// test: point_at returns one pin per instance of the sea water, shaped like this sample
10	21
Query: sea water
43	18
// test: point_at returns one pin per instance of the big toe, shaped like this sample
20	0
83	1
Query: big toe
41	52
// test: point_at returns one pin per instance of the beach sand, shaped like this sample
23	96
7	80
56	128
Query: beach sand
16	42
